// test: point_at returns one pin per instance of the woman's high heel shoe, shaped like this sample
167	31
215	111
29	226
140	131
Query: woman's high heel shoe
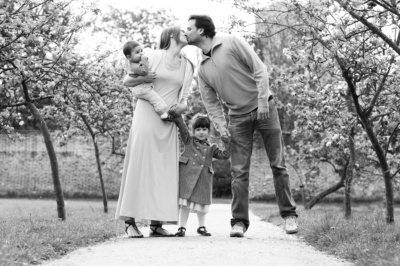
160	233
132	231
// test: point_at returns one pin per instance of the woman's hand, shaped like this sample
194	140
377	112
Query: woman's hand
134	81
150	77
180	108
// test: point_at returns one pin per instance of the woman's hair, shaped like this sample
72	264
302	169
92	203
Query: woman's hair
129	46
165	39
204	22
200	121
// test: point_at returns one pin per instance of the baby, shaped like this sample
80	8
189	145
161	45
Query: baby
138	65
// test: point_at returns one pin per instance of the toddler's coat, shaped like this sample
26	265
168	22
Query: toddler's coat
195	168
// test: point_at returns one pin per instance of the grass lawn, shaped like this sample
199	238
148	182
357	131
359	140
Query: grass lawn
30	231
365	239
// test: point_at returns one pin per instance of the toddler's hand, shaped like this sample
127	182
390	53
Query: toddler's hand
172	111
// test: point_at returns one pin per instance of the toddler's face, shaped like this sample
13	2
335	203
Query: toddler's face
201	133
136	54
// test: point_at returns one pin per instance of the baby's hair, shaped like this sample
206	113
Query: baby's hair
129	46
201	121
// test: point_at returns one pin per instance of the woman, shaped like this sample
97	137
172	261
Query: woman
149	187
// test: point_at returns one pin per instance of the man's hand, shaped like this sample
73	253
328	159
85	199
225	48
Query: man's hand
225	135
262	112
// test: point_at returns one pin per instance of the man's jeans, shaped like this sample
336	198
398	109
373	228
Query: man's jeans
242	128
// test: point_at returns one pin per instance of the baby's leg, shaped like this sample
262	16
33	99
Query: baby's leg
146	92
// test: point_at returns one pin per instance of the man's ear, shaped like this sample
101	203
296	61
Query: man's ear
201	32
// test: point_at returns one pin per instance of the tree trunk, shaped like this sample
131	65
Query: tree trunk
330	190
368	127
50	151
303	195
349	175
98	162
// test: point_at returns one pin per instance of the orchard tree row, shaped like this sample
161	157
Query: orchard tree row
338	64
52	71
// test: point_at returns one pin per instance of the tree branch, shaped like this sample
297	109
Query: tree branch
334	167
395	173
372	27
377	116
390	138
387	6
12	105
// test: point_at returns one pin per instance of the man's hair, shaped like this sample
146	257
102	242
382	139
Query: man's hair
200	121
204	22
165	39
129	46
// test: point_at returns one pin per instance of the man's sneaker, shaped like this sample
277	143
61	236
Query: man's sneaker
291	225
238	230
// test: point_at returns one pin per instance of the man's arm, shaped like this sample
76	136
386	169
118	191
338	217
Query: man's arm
249	57
213	107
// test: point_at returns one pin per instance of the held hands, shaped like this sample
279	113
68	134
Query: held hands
225	135
262	112
180	108
177	110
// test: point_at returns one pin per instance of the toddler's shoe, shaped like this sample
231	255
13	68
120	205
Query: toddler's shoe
203	231
181	232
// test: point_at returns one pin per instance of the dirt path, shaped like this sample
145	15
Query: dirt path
263	244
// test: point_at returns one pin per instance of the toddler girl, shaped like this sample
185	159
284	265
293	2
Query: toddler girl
196	173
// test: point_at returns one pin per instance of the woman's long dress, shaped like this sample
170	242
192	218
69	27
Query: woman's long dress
149	186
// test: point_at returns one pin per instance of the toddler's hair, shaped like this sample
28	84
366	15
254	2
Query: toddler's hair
200	121
129	46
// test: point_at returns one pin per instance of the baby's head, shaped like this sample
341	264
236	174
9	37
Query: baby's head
201	126
133	51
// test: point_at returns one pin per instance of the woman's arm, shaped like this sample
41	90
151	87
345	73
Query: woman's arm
134	81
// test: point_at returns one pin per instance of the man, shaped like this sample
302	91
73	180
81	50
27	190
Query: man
230	71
